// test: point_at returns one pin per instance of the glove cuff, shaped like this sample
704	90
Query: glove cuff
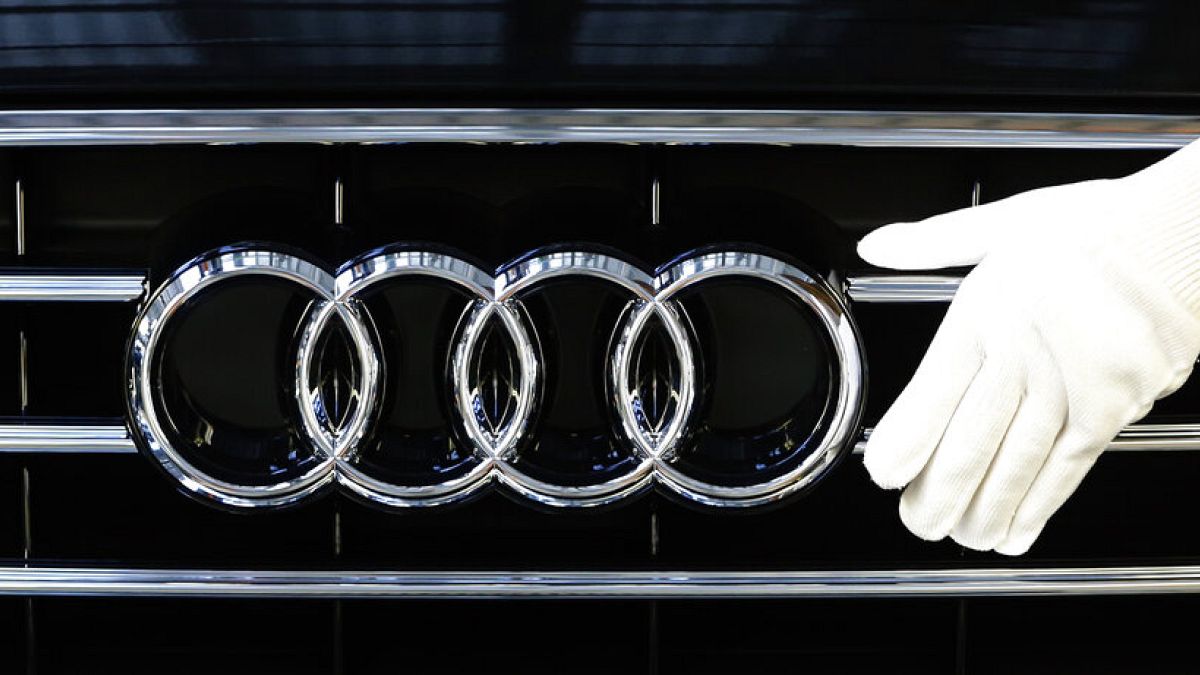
1167	195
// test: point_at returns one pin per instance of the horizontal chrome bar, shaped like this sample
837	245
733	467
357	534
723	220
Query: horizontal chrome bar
1133	438
1157	437
65	439
66	287
114	439
95	581
61	287
903	288
403	125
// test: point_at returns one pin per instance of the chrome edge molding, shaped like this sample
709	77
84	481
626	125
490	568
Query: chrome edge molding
903	288
64	287
512	125
115	439
96	581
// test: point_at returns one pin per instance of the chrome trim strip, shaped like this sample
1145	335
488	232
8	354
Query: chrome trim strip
402	125
1133	438
65	287
1158	437
65	439
903	288
114	439
61	287
97	581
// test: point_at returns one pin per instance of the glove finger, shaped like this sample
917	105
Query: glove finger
907	434
965	236
1022	453
1072	455
937	498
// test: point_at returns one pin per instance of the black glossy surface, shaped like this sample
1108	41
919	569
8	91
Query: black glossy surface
811	203
474	637
12	510
844	522
895	337
499	202
496	202
731	52
414	439
159	207
1093	635
122	510
811	636
496	532
8	211
223	381
767	381
573	441
74	358
977	635
107	635
14	635
12	321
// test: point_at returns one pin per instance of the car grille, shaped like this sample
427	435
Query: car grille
86	231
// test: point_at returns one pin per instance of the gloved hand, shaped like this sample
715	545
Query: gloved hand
1083	309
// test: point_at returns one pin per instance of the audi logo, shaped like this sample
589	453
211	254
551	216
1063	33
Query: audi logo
411	377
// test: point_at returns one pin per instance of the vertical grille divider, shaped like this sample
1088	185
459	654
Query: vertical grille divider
339	227
963	606
19	223
653	171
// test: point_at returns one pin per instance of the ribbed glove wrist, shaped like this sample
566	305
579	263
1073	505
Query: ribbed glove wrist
1165	200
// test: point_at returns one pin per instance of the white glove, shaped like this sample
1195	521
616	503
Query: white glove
1083	310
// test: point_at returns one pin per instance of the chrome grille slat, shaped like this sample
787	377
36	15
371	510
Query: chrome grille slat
66	287
404	125
952	582
1133	438
903	288
114	439
102	287
65	439
57	286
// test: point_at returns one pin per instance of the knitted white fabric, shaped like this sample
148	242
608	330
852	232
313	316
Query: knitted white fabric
1082	310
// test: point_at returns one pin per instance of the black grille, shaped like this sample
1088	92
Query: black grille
151	209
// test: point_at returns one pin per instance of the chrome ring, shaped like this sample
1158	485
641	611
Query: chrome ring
183	286
379	268
524	276
834	316
496	451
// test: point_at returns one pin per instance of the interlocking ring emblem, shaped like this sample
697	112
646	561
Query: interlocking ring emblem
496	448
